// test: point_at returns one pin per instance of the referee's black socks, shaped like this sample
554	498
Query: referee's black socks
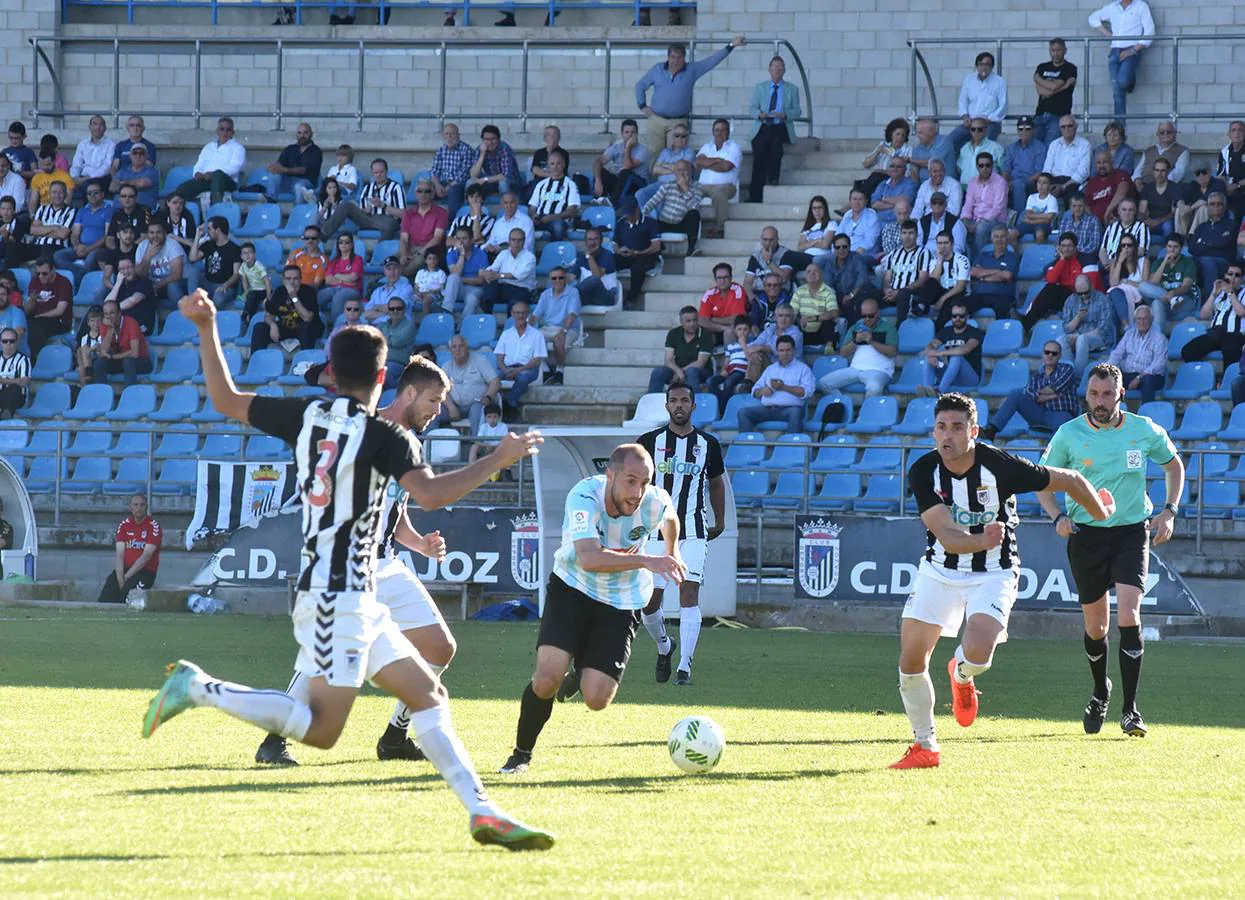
533	714
1096	653
1131	651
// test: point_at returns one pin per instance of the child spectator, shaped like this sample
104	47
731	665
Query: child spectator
1041	210
736	368
89	343
430	281
489	435
256	285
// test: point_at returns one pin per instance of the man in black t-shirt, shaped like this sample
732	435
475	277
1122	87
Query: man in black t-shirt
221	260
291	313
1055	81
129	212
954	356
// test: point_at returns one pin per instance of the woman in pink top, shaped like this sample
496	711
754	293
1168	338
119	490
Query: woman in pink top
343	280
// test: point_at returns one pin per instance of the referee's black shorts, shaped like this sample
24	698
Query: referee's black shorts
1101	558
597	635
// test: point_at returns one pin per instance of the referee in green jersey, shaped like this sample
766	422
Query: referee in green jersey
1110	447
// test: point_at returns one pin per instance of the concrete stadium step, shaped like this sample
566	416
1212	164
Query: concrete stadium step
668	303
630	319
691	286
636	339
618	376
749	231
586	396
537	413
615	356
774	209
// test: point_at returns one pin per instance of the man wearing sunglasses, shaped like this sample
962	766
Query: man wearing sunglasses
953	356
423	228
1046	402
1225	310
1088	323
977	144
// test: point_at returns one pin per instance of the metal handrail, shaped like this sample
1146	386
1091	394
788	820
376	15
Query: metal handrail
1083	75
360	115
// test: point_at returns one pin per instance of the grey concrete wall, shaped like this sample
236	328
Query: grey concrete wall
19	19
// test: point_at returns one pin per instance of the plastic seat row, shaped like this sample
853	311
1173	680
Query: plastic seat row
180	403
882	493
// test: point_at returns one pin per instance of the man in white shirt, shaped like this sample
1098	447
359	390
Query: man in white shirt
512	217
520	353
1067	159
1130	24
511	277
92	161
218	168
718	162
938	181
781	393
983	95
12	184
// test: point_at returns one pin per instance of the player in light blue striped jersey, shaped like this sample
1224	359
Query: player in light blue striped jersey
600	582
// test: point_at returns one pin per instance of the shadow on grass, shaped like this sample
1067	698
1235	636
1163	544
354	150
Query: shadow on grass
188	767
264	854
839	742
411	781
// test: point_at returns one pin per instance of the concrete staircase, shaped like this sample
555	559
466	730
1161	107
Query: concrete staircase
605	378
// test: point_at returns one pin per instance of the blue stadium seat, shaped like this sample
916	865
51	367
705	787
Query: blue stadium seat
1224	391
877	460
813	423
269	390
309	390
705	411
824	365
1216	463
1034	260
265	446
268	250
602	217
1193	380
49	401
53	362
228	326
89	476
912	374
790	491
179	402
19	465
1046	330
22	274
918	417
915	335
745	451
1181	335
264	367
1235	430
14	435
555	253
387	397
179	364
882	494
1237	473
89	443
1003	337
838	492
376	264
133	443
177	476
233	360
1162	412
299	360
42	475
222	445
261	219
175	178
1008	375
177	330
88	288
1219	498
230	212
177	444
1201	420
1157	492
136	401
748	487
94	401
208	413
877	414
479	331
1027	505
300	217
791	453
43	442
729	420
435	329
131	477
270	180
836	452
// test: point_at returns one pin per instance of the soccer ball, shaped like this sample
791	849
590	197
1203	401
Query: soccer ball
696	744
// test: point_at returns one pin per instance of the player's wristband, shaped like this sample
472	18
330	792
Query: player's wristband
1172	508
1055	521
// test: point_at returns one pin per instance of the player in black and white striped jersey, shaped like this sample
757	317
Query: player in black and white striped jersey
345	459
688	465
905	269
966	494
14	373
1225	307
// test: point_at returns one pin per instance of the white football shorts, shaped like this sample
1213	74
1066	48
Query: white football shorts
346	637
691	550
946	598
408	600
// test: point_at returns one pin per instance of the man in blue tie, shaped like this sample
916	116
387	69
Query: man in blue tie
775	104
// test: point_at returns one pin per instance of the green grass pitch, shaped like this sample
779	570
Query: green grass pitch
802	803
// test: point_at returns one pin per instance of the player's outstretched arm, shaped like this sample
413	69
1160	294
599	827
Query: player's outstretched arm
956	539
200	310
1076	486
435	491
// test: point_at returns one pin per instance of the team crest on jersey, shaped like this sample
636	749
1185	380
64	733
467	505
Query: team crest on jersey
1134	459
353	657
525	551
636	533
984	496
817	555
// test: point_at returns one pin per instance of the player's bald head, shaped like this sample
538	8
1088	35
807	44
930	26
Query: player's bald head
626	455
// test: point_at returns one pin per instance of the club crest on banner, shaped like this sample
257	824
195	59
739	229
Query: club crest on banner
525	551
261	488
817	557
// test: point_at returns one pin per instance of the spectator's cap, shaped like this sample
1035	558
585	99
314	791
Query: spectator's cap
1024	122
938	197
139	148
626	205
392	261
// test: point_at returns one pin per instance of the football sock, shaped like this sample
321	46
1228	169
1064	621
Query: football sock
300	688
917	692
689	634
1131	651
533	714
435	734
400	721
965	670
655	625
274	711
1096	653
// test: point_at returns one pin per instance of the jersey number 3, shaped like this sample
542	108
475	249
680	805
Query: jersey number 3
321	490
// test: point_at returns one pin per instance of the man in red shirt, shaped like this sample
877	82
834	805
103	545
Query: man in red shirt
49	306
720	306
122	347
423	228
1105	189
138	554
1060	278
